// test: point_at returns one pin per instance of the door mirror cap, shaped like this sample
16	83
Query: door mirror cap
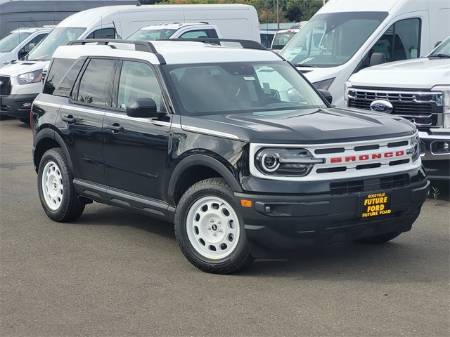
326	95
377	58
144	108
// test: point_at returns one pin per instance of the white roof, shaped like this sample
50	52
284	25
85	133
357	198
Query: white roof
94	15
363	5
32	29
174	52
173	25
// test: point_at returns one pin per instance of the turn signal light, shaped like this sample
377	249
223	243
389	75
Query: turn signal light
246	203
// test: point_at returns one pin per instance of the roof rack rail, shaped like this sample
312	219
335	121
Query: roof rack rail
146	46
246	44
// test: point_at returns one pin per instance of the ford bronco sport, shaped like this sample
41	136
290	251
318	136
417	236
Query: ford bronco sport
229	142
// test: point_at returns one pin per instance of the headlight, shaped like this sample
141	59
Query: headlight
285	162
415	147
445	89
324	85
31	77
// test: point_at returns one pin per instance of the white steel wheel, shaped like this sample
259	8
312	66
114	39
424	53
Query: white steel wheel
213	228
52	185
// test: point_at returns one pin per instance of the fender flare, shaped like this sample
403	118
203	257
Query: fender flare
201	160
48	133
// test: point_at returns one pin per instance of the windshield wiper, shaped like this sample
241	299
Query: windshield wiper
440	55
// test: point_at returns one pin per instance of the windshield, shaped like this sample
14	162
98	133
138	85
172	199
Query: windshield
152	34
12	40
329	40
281	39
205	89
443	50
58	37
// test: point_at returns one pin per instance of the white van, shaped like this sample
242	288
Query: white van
345	36
21	82
18	43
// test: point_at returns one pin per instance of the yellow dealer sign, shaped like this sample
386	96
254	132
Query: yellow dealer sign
375	205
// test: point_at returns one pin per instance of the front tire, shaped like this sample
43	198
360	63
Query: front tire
56	191
209	229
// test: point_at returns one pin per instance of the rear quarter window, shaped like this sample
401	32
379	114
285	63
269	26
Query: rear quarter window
61	76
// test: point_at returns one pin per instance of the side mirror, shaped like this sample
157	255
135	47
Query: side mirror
326	95
377	58
144	108
21	54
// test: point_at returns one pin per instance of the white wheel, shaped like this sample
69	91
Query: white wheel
52	185
213	227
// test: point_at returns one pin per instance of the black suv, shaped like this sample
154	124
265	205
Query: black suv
231	144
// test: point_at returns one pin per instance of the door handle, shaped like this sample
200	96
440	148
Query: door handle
115	128
68	118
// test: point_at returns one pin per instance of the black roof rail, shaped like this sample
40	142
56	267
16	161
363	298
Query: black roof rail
146	46
246	44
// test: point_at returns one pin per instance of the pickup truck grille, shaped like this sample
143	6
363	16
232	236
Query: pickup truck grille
5	85
423	108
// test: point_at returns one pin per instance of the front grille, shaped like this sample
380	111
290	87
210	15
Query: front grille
420	107
373	184
5	85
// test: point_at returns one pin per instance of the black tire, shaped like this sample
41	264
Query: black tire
379	239
71	207
239	257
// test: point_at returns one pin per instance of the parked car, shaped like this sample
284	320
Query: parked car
22	81
345	36
418	90
188	30
232	145
282	37
17	44
266	37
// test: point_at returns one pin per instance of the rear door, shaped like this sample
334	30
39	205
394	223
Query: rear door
83	118
136	149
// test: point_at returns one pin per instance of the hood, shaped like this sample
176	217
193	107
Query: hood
305	126
318	74
422	73
21	67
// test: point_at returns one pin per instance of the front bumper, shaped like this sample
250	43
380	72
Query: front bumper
290	221
435	161
17	106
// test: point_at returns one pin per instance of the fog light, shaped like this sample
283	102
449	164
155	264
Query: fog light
440	147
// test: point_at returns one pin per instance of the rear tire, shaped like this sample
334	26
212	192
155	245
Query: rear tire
56	190
209	229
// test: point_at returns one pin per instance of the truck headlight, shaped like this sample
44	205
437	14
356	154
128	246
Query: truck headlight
325	84
285	162
31	77
445	89
415	147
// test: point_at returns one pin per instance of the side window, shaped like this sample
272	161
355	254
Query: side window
96	83
59	69
30	45
195	34
103	33
401	41
138	80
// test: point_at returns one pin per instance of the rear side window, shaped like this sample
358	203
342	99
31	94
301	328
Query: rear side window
61	76
96	83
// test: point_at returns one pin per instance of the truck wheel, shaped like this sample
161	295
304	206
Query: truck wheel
379	239
209	229
56	191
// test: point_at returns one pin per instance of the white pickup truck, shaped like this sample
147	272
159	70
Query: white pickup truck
418	90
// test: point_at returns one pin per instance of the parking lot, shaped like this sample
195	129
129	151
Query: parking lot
115	273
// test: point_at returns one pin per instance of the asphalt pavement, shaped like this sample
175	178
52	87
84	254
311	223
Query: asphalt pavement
115	273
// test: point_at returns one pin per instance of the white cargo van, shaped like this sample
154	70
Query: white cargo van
18	43
345	36
21	82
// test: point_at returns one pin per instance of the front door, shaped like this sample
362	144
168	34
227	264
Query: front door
136	149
